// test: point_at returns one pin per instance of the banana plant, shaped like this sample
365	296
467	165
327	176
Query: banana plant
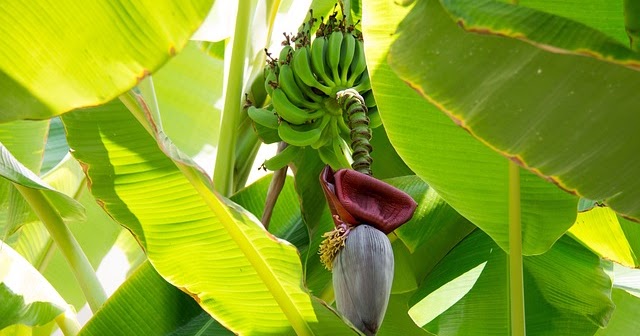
443	167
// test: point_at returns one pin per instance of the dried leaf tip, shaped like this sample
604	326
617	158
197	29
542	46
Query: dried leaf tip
333	241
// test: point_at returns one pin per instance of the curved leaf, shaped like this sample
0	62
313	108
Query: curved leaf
466	174
245	278
12	170
566	291
114	45
555	96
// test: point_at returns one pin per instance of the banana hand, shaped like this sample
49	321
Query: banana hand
302	69
302	135
290	112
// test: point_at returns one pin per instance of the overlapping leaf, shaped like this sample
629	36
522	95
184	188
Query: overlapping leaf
555	95
566	291
600	230
45	70
466	174
195	101
244	277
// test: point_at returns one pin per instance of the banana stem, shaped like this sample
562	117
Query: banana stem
68	245
225	158
275	187
516	282
356	109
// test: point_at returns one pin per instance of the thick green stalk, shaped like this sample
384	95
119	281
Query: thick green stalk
225	158
82	269
516	281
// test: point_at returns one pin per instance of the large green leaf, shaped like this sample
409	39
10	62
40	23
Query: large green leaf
465	173
286	221
397	321
624	320
45	70
147	305
549	93
198	241
566	291
21	302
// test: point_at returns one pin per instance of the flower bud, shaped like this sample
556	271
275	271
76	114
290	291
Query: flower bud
362	277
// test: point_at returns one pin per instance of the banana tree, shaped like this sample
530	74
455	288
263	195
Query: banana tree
477	156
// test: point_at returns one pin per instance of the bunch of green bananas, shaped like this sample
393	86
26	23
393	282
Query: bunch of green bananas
303	82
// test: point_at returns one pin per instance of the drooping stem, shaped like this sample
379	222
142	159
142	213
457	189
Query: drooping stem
225	158
68	245
353	104
275	187
516	282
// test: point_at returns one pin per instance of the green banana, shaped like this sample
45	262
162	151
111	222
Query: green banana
358	64
308	92
374	117
328	134
290	112
285	55
364	84
346	55
263	117
345	131
333	53
302	135
369	100
339	150
317	59
270	79
329	156
283	158
303	70
288	84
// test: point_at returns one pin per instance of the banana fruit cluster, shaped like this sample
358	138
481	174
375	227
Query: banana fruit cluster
303	83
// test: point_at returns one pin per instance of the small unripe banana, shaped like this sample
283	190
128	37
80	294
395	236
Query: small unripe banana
362	277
